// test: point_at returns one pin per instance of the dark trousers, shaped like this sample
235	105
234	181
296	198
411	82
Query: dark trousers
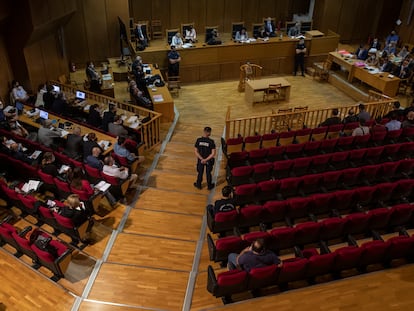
174	70
300	62
200	170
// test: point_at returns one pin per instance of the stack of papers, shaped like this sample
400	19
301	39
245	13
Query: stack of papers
158	98
102	186
132	119
63	169
31	185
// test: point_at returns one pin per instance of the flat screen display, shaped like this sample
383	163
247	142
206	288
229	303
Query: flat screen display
80	95
43	114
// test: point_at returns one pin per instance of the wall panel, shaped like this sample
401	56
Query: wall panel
5	73
215	14
233	13
179	13
76	37
197	12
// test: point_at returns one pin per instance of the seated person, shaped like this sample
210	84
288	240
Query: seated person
253	256
259	32
48	165
177	41
392	37
403	52
351	117
93	77
59	105
362	52
375	44
363	114
294	31
16	128
138	97
121	150
74	144
409	122
47	134
397	109
225	204
89	143
75	210
372	59
40	92
390	49
17	153
111	169
335	119
20	96
241	35
77	180
213	38
93	159
108	117
141	36
403	71
393	124
94	116
116	128
361	130
377	127
190	35
49	97
385	65
269	28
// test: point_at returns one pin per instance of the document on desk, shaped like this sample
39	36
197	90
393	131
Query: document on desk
63	133
63	169
135	125
86	108
31	185
132	119
102	186
105	143
158	98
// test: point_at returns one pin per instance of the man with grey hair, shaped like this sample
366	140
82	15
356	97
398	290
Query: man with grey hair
46	134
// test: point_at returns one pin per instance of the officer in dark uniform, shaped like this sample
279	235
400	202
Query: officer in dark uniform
205	151
300	57
174	59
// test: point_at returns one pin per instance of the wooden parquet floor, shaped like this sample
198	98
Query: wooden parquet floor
155	257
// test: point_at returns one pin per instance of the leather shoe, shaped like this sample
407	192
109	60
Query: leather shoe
197	186
211	186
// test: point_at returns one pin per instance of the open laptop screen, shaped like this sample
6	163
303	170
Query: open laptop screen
80	95
43	114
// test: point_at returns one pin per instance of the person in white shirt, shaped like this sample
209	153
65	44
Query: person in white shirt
177	41
190	35
241	36
111	169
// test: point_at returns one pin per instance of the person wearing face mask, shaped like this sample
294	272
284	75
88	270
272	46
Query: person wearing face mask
93	77
372	59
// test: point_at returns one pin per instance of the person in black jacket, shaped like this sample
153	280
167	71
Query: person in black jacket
75	210
108	117
94	116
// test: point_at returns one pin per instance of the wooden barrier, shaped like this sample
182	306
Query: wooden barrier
378	105
150	130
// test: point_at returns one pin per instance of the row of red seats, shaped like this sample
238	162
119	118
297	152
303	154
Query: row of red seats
316	204
322	182
315	164
58	265
309	264
309	232
309	149
305	135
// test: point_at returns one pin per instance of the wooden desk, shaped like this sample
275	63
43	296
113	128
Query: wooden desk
379	81
253	86
166	106
24	118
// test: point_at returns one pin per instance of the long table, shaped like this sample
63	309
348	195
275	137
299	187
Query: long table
260	85
380	81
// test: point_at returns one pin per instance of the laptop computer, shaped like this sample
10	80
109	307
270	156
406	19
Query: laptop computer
43	115
80	95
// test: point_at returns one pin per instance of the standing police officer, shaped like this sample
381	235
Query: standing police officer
300	57
205	151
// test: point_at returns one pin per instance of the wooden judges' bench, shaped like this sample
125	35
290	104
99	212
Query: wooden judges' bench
222	62
149	131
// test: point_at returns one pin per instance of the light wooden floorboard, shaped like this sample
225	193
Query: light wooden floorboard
179	164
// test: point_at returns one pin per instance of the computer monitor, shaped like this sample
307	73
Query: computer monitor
56	88
80	95
43	114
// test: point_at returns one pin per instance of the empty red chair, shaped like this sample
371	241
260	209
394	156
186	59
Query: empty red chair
24	246
351	177
393	136
286	138
401	215
332	228
276	153
257	156
267	190
311	183
274	211
236	159
301	166
6	235
46	215
356	157
46	178
408	133
339	160
240	175
252	142
371	173
262	171
365	195
400	247
374	252
384	192
94	175
389	170
320	163
406	150
334	131
362	141
405	168
331	179
250	215
281	169
224	221
311	148
220	250
245	194
262	277
319	133
269	140
294	151
377	137
281	238
290	187
347	258
298	207
318	264
63	188
328	145
307	232
234	145
75	163
357	223
344	199
379	218
292	270
226	283
373	155
253	236
403	190
321	203
345	143
302	135
391	152
62	158
28	202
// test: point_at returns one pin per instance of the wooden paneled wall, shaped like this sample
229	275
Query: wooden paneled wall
5	72
406	29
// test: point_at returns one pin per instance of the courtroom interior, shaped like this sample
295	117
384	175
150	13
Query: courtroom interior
206	155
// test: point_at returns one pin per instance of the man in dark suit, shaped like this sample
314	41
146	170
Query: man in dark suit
403	71
108	117
74	144
269	28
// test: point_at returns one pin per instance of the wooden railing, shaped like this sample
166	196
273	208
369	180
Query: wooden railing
150	131
378	105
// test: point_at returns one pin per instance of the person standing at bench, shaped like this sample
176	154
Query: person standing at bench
205	151
174	60
300	57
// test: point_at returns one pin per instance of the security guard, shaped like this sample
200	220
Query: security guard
205	151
